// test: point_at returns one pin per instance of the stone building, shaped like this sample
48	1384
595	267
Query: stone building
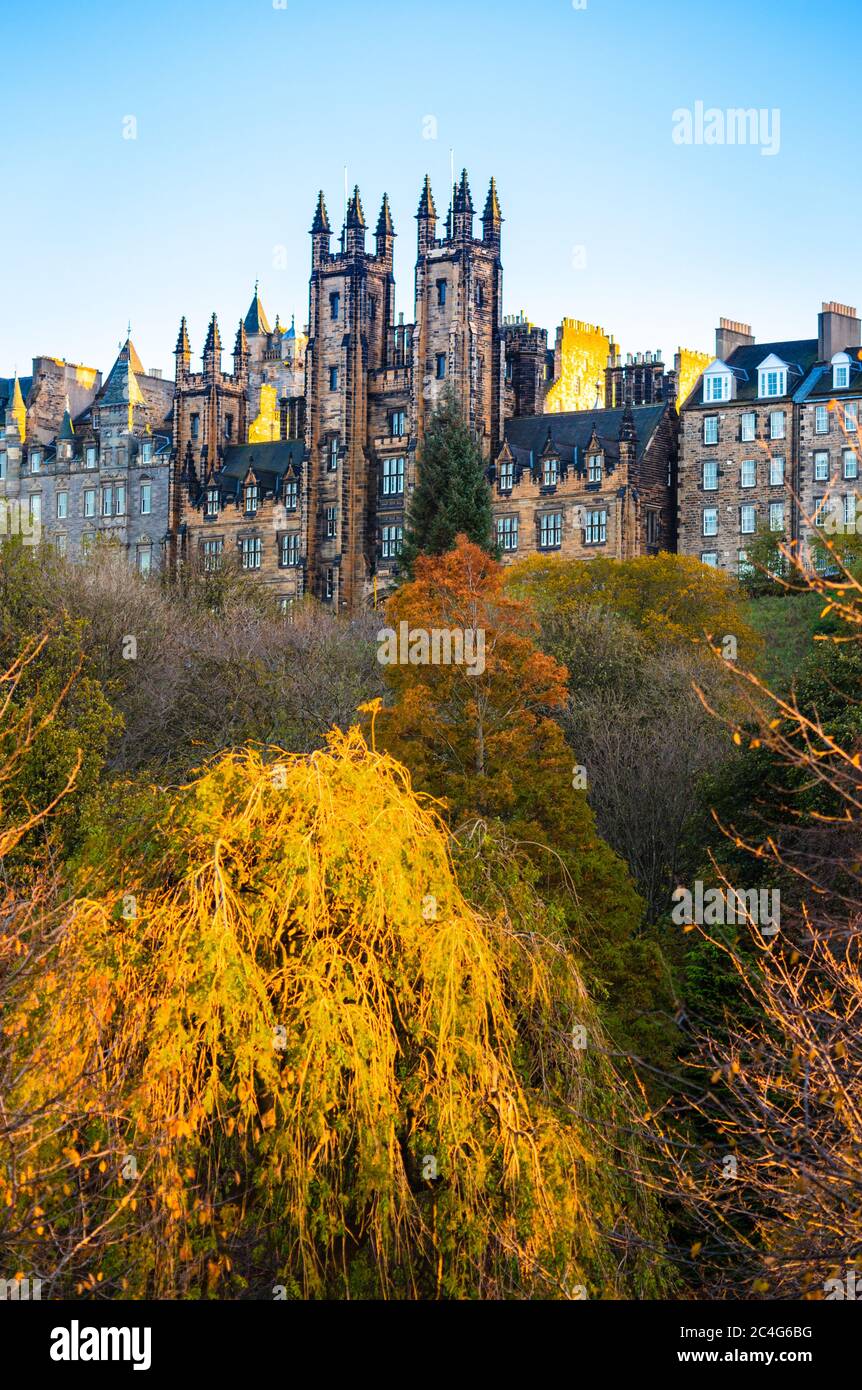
302	458
91	464
587	482
749	436
828	438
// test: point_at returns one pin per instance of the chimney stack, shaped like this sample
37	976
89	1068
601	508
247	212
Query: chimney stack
731	334
838	327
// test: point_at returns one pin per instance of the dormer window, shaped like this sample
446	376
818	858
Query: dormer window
35	460
550	472
212	506
716	387
507	475
595	468
772	378
840	371
251	498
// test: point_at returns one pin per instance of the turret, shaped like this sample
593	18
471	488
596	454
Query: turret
492	217
427	218
321	233
183	352
462	211
354	227
212	350
385	234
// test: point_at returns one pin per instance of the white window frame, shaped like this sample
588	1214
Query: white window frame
747	512
776	509
708	422
748	473
709	521
748	427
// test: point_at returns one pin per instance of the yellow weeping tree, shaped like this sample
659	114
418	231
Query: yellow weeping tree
275	1053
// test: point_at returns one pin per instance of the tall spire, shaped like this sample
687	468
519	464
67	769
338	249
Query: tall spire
256	320
183	347
384	221
321	217
426	202
461	219
492	217
213	342
355	215
18	410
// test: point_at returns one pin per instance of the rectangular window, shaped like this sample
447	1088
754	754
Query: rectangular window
213	555
711	474
146	498
821	466
333	456
776	516
550	530
850	510
742	566
748	473
334	305
710	557
212	502
2	464
851	464
62	545
715	387
772	383
507	532
329	584
250	551
196	426
91	456
35	460
748	428
776	424
331	523
62	506
252	497
398	422
709	525
507	475
550	472
595	468
747	520
145	559
710	429
390	542
107	500
441	292
291	494
776	472
821	419
290	550
228	427
393	477
596	530
653	527
89	501
333	378
147	448
441	365
35	509
120	499
850	417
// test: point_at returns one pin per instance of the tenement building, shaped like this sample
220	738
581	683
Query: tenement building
756	454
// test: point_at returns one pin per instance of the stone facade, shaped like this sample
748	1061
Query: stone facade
748	441
96	475
586	483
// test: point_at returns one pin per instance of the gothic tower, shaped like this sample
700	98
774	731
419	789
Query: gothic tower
458	338
351	309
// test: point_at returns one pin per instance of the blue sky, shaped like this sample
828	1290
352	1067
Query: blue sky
244	111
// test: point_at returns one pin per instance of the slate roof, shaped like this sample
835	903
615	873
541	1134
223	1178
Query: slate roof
7	386
572	431
256	320
818	386
269	462
800	354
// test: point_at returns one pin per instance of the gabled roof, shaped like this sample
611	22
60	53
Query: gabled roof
573	430
269	462
818	384
798	355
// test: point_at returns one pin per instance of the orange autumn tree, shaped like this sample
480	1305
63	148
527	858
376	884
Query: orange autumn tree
481	735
